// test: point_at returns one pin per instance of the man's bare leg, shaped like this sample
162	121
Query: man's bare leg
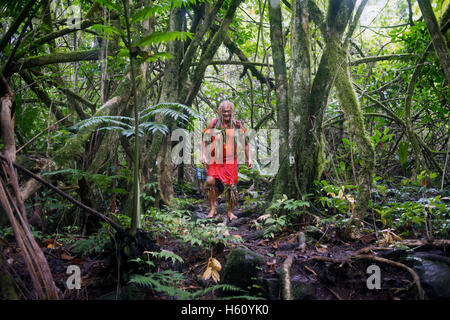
230	214
211	183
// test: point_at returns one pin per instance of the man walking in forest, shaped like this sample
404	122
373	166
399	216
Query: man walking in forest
222	135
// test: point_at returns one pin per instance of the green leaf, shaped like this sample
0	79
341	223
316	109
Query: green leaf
146	13
108	30
123	53
160	55
159	37
110	5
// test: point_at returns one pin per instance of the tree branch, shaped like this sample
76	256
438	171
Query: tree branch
65	195
381	58
87	55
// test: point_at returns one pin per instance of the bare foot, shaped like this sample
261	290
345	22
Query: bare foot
231	216
211	213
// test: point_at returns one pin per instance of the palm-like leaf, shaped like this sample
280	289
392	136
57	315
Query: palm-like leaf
172	109
118	121
125	125
153	127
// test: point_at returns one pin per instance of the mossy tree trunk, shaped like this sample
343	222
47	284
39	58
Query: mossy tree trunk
300	89
169	93
339	14
307	100
281	91
437	37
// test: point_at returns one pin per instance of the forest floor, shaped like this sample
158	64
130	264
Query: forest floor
324	269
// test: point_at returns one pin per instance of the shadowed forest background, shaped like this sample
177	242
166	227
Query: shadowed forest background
92	90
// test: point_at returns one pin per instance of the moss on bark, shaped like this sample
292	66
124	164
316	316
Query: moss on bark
338	17
338	63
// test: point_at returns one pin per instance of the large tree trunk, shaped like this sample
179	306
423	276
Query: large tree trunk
281	91
339	13
436	37
309	98
169	93
300	89
14	206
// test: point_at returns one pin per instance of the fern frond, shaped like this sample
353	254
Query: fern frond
73	172
224	286
168	105
163	282
158	37
119	121
147	12
153	127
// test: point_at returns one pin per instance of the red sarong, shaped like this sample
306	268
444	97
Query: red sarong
226	170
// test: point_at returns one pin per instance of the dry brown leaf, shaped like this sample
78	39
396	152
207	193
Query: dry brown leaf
321	250
65	256
207	273
263	217
215	264
215	276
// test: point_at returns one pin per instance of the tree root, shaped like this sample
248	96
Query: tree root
358	255
286	277
397	264
419	243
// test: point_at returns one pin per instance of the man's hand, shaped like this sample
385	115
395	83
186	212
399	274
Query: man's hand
249	164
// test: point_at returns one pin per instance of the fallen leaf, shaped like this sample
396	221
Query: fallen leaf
215	264
215	276
292	240
263	217
65	256
321	250
207	273
78	261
